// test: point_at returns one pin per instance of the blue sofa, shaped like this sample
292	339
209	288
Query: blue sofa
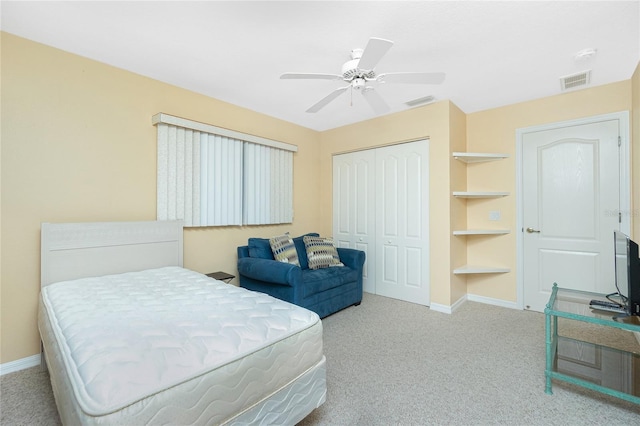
323	291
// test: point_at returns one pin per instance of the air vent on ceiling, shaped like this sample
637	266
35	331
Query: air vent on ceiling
421	101
575	80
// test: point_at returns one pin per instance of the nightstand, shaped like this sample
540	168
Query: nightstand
222	276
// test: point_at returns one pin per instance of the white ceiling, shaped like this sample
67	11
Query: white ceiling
493	53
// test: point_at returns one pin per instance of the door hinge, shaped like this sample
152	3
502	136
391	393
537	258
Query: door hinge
619	141
619	217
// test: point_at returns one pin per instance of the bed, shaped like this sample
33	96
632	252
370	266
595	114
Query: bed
132	337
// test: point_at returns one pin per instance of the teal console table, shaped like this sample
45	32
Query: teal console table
600	367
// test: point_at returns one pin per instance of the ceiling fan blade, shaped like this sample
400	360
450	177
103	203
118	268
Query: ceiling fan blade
309	76
412	77
375	50
324	101
374	99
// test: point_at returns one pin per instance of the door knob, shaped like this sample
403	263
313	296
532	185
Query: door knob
531	230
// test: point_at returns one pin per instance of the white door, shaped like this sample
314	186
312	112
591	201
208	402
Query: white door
571	205
402	222
354	207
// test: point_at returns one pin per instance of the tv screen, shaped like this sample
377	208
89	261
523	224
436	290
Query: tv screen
627	269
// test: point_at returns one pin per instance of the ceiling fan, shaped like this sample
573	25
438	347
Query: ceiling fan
360	74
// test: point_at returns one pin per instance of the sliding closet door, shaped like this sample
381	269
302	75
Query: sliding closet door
354	207
380	206
402	222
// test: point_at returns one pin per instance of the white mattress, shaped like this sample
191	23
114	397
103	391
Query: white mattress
171	345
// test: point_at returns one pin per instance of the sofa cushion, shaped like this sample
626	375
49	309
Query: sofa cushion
284	250
321	252
302	251
260	248
319	280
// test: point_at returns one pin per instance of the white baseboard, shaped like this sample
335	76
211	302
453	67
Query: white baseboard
19	364
440	308
491	301
448	309
471	298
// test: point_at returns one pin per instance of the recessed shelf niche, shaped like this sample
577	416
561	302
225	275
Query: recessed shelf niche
470	158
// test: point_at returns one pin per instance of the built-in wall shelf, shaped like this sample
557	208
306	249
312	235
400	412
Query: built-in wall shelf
479	194
470	158
478	157
480	270
481	232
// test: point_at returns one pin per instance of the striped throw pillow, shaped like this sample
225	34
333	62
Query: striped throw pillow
322	252
284	250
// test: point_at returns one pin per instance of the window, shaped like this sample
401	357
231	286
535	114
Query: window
209	176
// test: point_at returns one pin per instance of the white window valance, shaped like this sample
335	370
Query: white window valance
210	176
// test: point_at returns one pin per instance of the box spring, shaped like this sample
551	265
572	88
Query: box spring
172	346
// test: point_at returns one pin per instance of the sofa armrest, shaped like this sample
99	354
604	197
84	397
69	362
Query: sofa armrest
243	251
352	258
269	271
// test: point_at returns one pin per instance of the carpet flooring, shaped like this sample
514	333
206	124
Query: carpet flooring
396	363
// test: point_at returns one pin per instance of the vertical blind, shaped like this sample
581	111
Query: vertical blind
208	176
268	184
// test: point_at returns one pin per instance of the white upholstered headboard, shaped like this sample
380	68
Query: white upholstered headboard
78	250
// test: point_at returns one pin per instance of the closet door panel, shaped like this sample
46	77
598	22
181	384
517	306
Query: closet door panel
342	200
380	206
353	207
402	222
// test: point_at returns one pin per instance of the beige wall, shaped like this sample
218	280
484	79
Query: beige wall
458	181
495	131
432	122
451	130
78	145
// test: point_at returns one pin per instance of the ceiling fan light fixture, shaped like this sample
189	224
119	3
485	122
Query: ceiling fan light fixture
356	53
350	71
358	83
359	71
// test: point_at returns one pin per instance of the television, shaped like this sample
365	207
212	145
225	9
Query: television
627	268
